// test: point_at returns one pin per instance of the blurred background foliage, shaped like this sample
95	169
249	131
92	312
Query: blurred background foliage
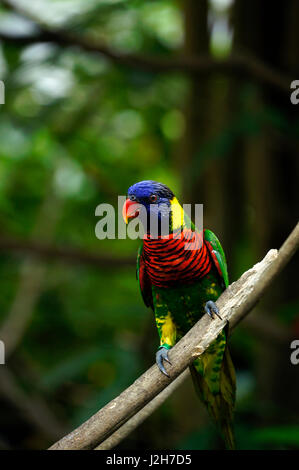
76	130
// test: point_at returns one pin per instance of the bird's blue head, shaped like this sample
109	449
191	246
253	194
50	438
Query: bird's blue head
152	199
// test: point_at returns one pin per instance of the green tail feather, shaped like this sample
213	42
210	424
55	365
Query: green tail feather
214	379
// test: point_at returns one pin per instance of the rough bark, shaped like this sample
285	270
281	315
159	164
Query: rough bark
142	415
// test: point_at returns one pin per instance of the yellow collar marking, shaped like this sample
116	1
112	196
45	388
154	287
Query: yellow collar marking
177	214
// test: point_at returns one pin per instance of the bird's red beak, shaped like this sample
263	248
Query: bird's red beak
130	210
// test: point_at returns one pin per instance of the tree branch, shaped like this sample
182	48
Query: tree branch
142	415
71	255
247	64
234	304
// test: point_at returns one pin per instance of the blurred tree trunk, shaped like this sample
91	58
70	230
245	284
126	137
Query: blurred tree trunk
210	175
196	43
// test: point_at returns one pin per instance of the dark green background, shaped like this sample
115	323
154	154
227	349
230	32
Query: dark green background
77	129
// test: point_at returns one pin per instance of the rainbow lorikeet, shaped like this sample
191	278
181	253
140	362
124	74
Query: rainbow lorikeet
181	274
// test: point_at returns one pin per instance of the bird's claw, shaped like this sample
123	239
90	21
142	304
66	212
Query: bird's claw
211	309
162	355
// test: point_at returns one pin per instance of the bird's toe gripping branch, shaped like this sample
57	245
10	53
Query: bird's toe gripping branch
211	309
162	355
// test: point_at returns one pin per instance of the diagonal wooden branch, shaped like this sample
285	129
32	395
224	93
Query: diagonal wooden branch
135	421
234	304
142	415
244	64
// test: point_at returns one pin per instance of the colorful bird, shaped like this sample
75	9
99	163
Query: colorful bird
181	273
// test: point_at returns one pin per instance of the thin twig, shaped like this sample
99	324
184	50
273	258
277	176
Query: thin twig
245	64
64	253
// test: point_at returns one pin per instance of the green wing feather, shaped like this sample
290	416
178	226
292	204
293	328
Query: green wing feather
218	252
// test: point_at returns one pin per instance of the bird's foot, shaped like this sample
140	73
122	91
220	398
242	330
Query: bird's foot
162	355
211	309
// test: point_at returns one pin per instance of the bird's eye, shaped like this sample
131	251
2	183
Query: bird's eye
132	197
153	198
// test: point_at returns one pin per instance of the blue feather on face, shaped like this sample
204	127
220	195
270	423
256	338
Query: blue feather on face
154	196
150	192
